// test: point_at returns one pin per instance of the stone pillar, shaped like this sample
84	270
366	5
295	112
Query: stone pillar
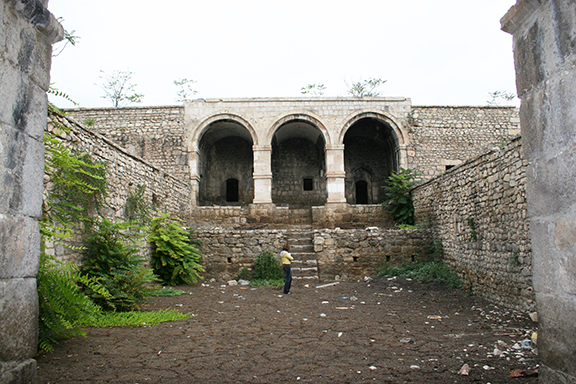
335	174
194	178
26	35
545	57
262	174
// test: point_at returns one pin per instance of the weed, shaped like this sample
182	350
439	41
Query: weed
423	272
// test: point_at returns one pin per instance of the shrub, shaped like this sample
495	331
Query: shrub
175	257
112	257
399	192
63	307
267	267
244	274
423	272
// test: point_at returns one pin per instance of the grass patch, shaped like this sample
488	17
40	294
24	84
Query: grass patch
267	282
167	291
133	318
423	272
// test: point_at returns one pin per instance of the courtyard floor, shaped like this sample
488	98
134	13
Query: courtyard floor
382	330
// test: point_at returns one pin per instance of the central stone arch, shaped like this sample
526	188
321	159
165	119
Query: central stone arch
298	162
371	153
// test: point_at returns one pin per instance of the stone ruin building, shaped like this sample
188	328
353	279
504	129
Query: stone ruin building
299	160
183	141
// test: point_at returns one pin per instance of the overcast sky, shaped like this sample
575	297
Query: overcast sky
442	52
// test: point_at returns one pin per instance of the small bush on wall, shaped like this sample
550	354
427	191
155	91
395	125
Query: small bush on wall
399	193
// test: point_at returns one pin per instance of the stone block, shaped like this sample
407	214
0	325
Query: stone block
554	178
18	372
18	319
19	246
557	327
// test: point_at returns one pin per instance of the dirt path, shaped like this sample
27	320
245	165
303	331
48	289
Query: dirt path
384	330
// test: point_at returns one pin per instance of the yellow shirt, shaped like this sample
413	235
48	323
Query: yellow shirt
286	257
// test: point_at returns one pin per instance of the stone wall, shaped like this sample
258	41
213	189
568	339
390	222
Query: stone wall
355	253
26	34
442	137
152	133
545	58
124	173
341	253
478	211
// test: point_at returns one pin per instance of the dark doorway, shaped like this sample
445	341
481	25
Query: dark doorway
232	190
361	192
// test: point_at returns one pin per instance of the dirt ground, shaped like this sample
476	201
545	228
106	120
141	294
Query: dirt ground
383	330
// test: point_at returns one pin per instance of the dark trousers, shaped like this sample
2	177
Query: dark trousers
288	282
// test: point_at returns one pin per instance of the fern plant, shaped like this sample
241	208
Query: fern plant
63	306
112	257
175	255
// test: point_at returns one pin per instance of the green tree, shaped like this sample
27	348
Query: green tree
118	88
313	89
185	89
498	97
366	88
399	192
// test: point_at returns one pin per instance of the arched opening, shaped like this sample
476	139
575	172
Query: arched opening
298	165
225	165
370	155
361	192
232	190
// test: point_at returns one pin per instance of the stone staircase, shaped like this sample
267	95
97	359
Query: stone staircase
304	265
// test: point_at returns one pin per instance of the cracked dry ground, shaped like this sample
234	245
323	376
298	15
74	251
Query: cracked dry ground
385	330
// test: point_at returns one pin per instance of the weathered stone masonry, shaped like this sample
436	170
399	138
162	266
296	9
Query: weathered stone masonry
125	172
478	211
27	31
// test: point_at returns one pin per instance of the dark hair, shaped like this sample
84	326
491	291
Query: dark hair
286	247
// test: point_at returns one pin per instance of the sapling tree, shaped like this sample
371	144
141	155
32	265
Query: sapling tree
399	192
185	89
118	88
365	88
313	89
499	97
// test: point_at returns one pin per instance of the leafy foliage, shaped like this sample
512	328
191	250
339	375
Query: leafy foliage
112	257
62	304
244	274
134	318
267	267
313	89
77	185
498	97
185	89
399	192
136	208
175	258
423	272
118	89
366	88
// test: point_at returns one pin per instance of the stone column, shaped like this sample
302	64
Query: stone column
335	174
194	178
545	57
28	30
262	174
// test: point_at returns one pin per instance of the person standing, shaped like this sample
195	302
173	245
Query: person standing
286	260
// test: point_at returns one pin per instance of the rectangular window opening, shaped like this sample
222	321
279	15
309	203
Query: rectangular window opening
308	184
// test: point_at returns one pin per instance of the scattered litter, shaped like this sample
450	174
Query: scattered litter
526	344
345	298
243	282
305	319
523	373
232	282
179	305
465	370
367	278
279	295
353	298
328	284
414	367
342	308
159	352
372	368
325	302
435	317
322	315
488	368
339	334
306	285
405	340
298	378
